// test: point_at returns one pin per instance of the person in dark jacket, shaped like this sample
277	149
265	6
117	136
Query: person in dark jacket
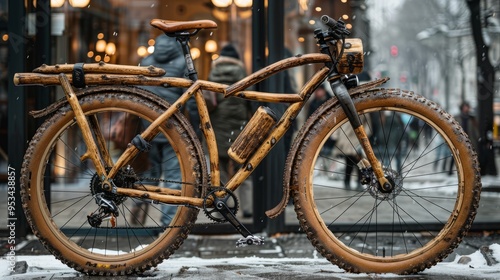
320	96
164	164
229	116
470	125
168	55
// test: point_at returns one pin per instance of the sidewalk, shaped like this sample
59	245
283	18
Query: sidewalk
288	256
491	183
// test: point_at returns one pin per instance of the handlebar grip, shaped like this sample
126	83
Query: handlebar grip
328	21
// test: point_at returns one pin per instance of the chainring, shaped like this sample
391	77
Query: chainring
212	198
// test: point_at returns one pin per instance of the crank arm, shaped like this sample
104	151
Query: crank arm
248	237
224	210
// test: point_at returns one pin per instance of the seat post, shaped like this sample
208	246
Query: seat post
184	41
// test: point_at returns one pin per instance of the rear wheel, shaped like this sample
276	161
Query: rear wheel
424	153
60	186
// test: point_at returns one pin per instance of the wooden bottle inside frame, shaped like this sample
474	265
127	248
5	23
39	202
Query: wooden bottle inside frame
253	134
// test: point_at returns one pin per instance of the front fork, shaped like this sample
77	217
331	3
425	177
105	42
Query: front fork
340	91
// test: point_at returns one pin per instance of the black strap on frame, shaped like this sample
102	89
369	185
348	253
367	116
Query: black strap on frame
78	76
141	144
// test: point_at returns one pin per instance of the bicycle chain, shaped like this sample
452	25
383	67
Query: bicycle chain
209	189
159	180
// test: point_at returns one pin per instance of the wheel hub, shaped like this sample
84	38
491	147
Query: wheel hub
124	179
376	190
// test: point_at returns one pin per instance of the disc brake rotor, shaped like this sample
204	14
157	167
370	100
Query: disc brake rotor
394	178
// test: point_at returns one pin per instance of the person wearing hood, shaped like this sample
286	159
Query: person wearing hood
162	160
167	55
229	116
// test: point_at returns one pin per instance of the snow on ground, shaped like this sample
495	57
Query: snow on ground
46	266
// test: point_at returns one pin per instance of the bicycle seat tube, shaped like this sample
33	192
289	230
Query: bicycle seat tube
209	134
184	40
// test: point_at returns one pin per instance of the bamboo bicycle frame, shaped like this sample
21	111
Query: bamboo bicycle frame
98	154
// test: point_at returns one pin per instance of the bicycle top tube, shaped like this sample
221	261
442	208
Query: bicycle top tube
274	68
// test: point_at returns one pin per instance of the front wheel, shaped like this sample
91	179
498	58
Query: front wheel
359	226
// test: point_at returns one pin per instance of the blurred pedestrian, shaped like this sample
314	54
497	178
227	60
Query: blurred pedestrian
163	162
391	139
349	148
320	95
470	126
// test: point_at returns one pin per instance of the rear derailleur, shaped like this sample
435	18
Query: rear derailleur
107	211
108	201
221	205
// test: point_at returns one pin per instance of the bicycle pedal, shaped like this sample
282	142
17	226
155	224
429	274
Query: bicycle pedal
249	240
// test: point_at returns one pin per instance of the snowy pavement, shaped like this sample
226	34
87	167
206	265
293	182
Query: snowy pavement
47	267
480	264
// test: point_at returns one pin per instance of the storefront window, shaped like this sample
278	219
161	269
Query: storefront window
118	31
401	45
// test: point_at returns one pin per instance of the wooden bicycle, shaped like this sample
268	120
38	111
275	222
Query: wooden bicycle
79	189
